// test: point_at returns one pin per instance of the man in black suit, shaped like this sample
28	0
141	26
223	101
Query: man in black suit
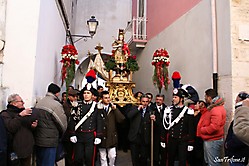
158	110
139	133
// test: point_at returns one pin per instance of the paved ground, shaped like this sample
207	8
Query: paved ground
123	159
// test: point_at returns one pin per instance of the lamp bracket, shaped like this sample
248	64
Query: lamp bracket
80	37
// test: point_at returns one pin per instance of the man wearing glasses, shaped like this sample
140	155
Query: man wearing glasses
19	123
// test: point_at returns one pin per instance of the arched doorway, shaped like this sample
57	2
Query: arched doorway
82	69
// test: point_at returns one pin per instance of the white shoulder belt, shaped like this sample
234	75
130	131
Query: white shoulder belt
86	116
168	114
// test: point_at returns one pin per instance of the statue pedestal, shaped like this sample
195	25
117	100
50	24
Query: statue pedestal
121	93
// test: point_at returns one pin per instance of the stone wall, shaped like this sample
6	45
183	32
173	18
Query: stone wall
240	45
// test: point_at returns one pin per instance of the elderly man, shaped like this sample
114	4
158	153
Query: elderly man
19	124
51	126
241	122
235	148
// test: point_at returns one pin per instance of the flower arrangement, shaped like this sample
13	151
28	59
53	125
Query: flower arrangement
161	62
110	65
69	56
132	64
131	60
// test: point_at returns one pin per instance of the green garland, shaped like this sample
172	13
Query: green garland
70	74
110	65
132	65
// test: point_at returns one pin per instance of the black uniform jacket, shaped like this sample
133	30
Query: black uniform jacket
93	124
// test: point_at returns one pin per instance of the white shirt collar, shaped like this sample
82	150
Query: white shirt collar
87	102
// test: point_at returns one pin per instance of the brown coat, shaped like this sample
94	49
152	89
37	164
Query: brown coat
110	138
241	124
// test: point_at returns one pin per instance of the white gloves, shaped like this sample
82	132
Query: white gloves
163	145
97	141
190	148
73	139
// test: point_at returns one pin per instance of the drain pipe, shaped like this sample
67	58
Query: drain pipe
64	17
215	44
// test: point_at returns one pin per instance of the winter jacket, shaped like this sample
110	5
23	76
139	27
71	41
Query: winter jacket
235	147
241	124
20	136
52	122
111	118
212	122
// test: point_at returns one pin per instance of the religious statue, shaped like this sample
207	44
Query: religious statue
120	56
120	68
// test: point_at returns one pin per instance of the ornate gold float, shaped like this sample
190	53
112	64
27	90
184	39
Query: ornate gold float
120	68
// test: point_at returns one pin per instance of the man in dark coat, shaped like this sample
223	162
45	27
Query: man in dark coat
112	116
3	143
67	144
139	133
158	110
19	124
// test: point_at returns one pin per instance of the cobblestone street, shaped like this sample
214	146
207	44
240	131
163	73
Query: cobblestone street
123	159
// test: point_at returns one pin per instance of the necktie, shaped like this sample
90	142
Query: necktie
144	110
106	109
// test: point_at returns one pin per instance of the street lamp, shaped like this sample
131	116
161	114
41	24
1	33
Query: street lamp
92	24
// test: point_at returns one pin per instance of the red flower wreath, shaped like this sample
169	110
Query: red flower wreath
161	62
69	59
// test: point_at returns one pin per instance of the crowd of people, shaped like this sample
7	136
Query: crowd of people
88	127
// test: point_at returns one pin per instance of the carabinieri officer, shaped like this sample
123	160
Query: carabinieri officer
87	126
178	124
